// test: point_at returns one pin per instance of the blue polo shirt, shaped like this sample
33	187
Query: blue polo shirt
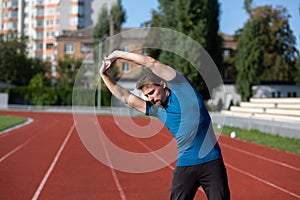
187	118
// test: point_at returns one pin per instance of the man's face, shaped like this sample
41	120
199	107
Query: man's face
156	94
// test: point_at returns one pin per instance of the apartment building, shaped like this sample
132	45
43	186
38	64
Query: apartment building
42	21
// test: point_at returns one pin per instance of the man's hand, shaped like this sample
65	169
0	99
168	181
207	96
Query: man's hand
109	60
105	66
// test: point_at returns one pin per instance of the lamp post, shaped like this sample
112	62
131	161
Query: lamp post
99	78
100	55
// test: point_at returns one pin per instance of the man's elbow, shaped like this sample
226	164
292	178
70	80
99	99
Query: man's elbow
149	61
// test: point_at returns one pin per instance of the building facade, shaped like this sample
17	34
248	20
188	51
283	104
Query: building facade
80	44
42	21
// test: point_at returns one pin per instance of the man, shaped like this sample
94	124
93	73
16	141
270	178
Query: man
173	100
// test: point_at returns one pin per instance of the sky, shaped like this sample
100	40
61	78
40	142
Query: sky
232	17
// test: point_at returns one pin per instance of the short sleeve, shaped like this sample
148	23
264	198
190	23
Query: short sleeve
148	107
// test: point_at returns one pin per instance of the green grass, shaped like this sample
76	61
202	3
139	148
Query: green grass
10	121
291	145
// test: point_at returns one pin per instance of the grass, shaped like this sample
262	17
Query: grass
291	145
7	121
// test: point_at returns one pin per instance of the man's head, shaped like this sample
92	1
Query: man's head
154	88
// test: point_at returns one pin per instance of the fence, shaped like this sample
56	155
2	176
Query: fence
272	126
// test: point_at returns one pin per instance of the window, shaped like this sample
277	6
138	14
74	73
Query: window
39	12
12	14
81	10
5	15
226	53
39	23
50	22
69	48
40	2
39	35
74	9
39	46
125	67
50	34
11	25
80	21
14	4
278	94
74	21
273	94
86	47
4	4
50	11
49	46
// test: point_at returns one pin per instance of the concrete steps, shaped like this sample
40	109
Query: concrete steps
271	108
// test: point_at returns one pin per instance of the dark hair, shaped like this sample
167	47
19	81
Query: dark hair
147	78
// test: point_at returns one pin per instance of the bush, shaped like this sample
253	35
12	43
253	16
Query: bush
54	96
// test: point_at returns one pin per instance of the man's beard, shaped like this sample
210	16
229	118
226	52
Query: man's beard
158	103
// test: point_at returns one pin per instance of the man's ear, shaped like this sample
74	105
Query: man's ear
163	84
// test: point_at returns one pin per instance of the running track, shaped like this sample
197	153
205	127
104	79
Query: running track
47	160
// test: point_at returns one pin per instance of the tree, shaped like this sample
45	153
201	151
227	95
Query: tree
266	32
249	58
297	79
67	71
200	21
116	16
15	66
119	16
101	29
248	6
108	24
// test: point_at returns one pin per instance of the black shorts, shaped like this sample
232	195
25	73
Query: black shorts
211	176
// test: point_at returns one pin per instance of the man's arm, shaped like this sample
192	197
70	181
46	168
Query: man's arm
163	71
119	92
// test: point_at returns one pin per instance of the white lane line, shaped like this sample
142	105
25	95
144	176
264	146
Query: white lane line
43	182
115	177
28	121
14	150
262	157
263	181
156	155
161	159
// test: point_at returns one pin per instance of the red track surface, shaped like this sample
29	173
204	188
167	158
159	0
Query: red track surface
47	160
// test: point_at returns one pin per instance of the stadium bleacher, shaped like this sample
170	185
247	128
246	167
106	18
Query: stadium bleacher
268	108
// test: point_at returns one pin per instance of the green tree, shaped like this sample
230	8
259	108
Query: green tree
101	29
38	81
271	37
67	70
108	24
297	79
249	58
116	16
200	21
248	6
15	66
279	44
119	16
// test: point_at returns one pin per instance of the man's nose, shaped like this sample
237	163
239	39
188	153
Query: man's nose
150	98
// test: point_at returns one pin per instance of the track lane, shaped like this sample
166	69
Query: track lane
77	175
22	172
263	167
